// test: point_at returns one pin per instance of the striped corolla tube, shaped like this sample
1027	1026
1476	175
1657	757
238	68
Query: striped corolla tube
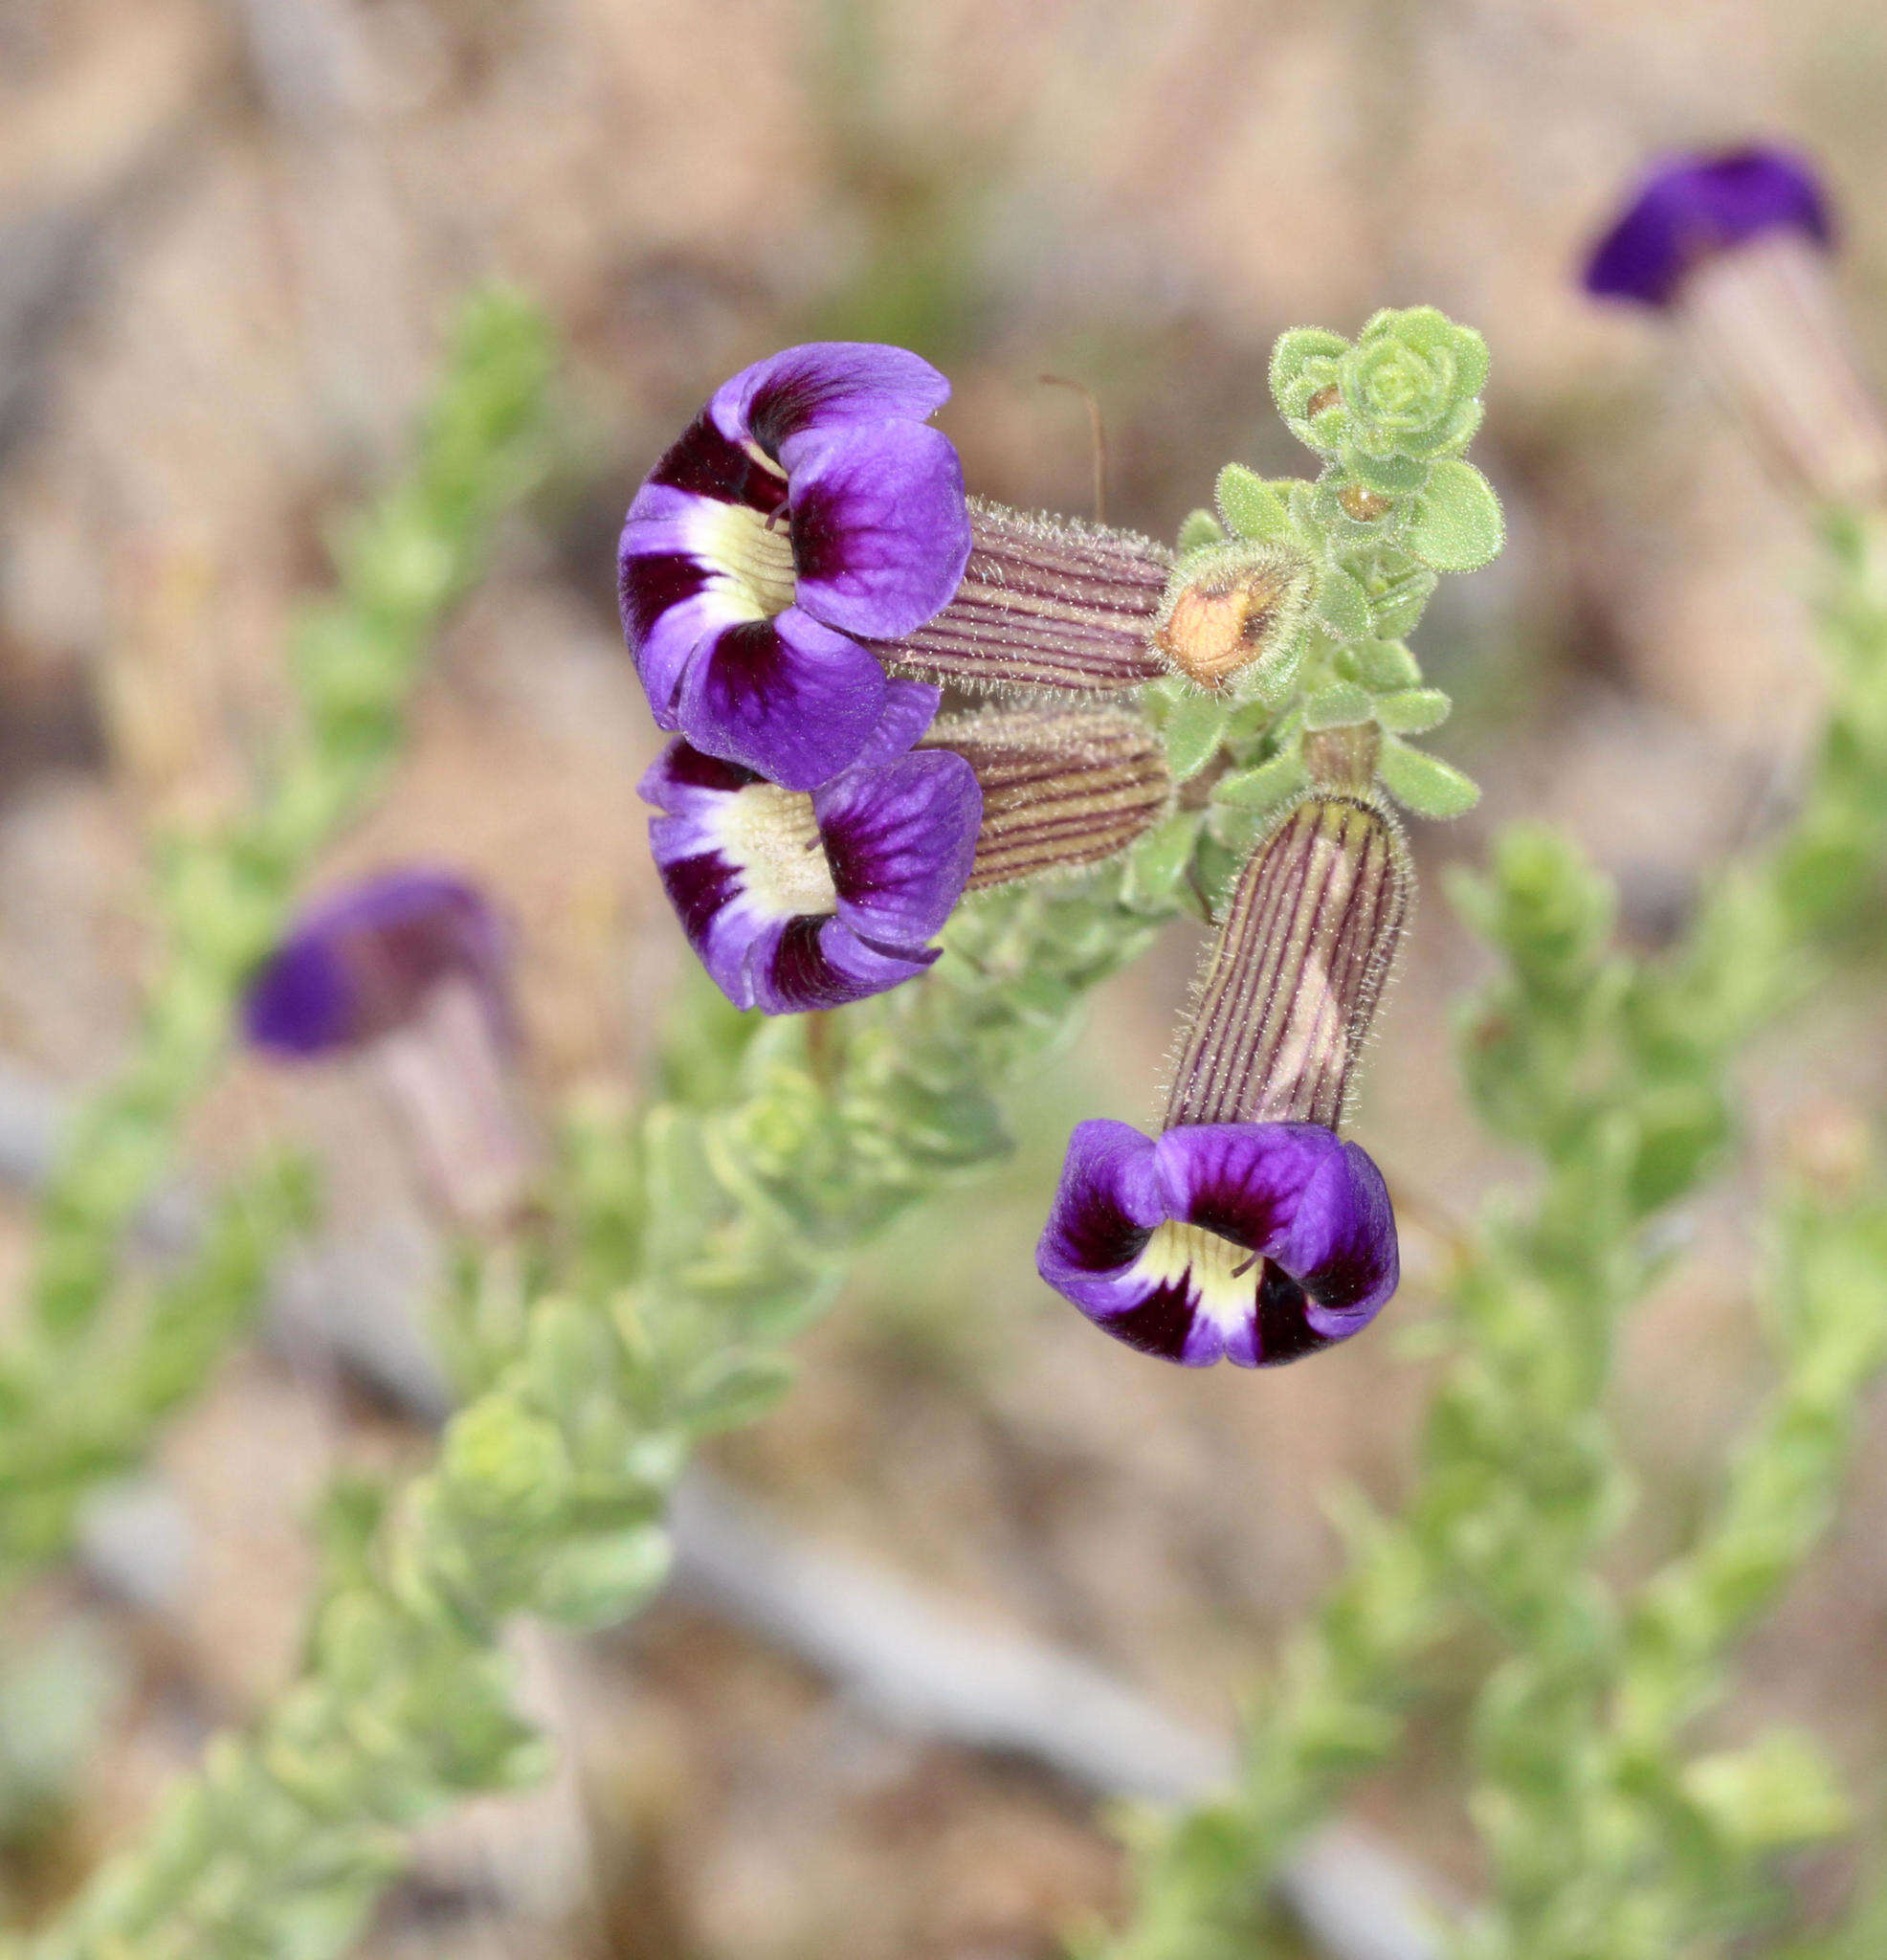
1735	246
1045	603
1249	1230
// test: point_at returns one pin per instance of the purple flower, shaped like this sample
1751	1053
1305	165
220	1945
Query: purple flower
1692	208
806	510
796	901
1251	1242
361	964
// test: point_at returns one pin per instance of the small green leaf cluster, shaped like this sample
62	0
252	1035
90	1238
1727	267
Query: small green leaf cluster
1405	394
1395	507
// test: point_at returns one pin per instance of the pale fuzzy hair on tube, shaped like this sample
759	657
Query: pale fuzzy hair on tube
1062	790
1290	987
1044	603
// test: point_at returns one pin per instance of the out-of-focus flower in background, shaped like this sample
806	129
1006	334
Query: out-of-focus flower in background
409	969
1735	245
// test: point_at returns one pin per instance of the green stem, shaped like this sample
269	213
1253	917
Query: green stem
225	899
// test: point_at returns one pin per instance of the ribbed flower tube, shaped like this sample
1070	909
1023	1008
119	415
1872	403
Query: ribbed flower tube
1059	791
1292	983
1044	602
1248	1231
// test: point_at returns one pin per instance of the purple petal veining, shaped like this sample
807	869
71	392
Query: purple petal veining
1250	1242
806	507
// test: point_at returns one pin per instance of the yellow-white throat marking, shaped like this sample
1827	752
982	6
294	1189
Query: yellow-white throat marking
1221	1278
771	835
751	551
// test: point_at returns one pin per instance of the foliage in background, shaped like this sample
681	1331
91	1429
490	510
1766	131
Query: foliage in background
1607	1834
682	1248
108	1351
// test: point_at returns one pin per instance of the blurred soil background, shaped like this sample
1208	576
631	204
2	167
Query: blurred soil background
230	237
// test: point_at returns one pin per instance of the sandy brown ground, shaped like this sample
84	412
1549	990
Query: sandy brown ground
229	238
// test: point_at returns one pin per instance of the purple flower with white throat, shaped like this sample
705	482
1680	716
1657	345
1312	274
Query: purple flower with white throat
797	901
1249	1242
1735	247
410	970
1249	1230
807	508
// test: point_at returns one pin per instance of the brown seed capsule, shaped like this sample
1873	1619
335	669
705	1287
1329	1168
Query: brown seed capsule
1238	605
1361	504
1044	602
1059	791
1292	982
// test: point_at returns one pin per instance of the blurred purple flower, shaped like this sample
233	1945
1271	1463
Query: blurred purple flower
1691	208
797	901
805	509
361	964
1250	1242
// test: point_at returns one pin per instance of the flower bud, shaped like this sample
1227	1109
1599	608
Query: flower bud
1044	602
1059	791
1291	986
1237	607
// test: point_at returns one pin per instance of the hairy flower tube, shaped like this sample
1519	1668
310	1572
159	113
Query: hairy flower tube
807	510
796	900
1249	1230
1060	791
1044	603
410	968
1735	245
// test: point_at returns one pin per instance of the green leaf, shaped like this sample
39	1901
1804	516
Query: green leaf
1779	1791
1385	665
1414	710
1265	785
1158	699
1193	732
1159	861
1301	360
1339	705
733	1388
1397	594
1249	506
1200	531
594	1581
1424	783
1343	606
1456	524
